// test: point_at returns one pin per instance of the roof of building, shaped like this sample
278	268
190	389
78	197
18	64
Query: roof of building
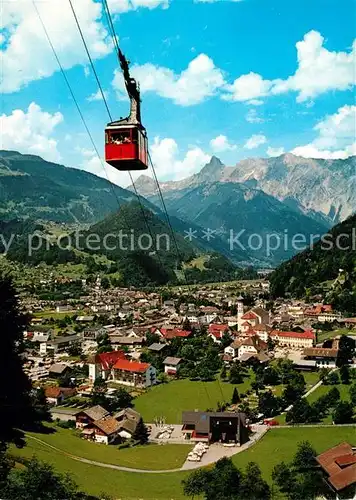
131	366
174	332
58	368
107	359
249	315
201	419
65	339
53	392
170	360
116	339
95	412
321	352
108	425
296	335
156	347
128	424
340	465
128	413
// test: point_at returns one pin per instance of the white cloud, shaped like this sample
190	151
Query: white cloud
248	88
165	157
336	136
97	96
27	37
31	131
255	141
252	116
274	152
200	80
319	70
27	55
221	144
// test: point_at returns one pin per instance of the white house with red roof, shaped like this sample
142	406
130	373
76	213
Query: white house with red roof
293	339
101	364
216	331
134	373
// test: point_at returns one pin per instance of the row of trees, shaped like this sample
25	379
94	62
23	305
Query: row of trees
342	411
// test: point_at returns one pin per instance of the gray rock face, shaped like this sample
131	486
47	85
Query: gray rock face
322	189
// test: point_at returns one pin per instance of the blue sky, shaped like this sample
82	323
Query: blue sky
217	77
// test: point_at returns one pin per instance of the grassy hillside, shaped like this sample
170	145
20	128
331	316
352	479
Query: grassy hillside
31	186
332	259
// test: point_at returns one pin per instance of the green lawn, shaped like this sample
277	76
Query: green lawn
97	480
154	457
275	446
323	389
280	445
334	333
311	378
169	400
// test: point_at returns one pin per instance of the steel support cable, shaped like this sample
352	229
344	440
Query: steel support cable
111	119
116	44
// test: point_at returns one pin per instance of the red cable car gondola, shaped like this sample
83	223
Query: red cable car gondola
126	145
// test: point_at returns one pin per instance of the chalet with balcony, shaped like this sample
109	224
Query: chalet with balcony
134	373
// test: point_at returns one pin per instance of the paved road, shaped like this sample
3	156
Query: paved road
215	453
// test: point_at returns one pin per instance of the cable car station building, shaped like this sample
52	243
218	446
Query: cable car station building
212	427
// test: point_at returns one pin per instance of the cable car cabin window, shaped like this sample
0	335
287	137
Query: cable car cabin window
135	135
120	137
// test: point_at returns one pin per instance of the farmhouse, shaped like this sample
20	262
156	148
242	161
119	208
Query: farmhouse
87	417
105	430
222	427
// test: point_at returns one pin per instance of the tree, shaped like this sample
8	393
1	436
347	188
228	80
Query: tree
346	350
333	379
301	412
284	478
343	413
196	483
235	396
120	399
345	374
223	372
224	481
236	373
40	482
305	456
291	393
104	344
226	339
40	405
17	411
323	375
268	404
75	349
253	486
141	433
352	392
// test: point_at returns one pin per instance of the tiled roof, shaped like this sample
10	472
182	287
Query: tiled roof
96	412
108	425
107	359
131	366
330	461
172	361
52	392
295	335
249	315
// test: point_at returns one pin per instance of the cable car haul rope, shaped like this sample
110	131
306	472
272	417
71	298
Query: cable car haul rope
126	145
